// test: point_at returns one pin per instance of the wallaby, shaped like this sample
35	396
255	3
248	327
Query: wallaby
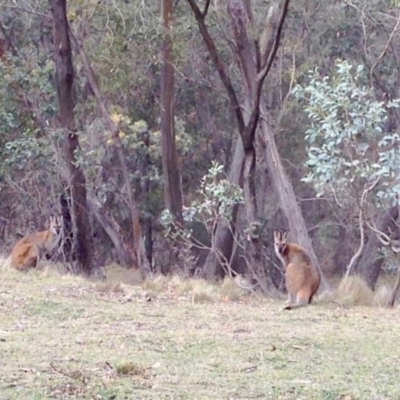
29	250
301	277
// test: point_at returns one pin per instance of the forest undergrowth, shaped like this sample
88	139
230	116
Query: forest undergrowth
65	337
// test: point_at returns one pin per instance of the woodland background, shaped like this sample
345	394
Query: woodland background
150	123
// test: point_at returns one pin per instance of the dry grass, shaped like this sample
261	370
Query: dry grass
198	290
62	337
353	291
382	295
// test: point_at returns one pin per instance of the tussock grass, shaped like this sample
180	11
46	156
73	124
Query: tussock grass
130	368
110	287
353	291
382	295
55	270
232	289
198	290
203	291
127	276
5	262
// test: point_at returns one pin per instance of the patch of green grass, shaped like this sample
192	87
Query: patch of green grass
65	338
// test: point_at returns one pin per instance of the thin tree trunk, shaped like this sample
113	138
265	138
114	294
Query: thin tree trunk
147	220
172	186
82	238
369	265
343	253
222	240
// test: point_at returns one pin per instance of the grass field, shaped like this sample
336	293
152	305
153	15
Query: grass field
65	338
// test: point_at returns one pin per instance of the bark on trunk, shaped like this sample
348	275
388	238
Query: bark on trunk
148	219
82	238
370	264
67	237
343	253
172	186
284	189
222	240
114	231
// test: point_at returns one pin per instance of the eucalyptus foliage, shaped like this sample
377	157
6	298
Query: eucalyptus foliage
215	198
347	140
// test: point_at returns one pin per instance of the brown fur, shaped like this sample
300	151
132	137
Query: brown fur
28	251
302	278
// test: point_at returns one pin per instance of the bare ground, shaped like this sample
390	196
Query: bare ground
65	338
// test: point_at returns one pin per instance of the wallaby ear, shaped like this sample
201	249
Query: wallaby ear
277	235
285	235
50	221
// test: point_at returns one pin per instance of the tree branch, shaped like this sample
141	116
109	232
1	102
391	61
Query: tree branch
271	56
261	76
206	7
385	48
200	18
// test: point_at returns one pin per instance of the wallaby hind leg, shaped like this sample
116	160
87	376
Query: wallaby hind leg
32	258
302	299
291	299
298	304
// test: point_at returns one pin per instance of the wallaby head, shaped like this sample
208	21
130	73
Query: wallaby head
56	224
280	242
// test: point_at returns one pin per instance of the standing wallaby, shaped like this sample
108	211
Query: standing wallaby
301	277
28	251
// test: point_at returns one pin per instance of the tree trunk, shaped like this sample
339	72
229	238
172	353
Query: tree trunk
67	237
115	233
370	264
222	240
284	189
282	185
256	263
343	253
249	71
254	75
148	219
172	186
82	238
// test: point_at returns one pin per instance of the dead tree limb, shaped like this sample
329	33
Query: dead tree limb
356	256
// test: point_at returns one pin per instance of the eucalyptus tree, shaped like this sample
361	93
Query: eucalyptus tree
75	181
248	46
351	152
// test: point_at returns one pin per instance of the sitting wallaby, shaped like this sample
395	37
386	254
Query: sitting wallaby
29	250
301	277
